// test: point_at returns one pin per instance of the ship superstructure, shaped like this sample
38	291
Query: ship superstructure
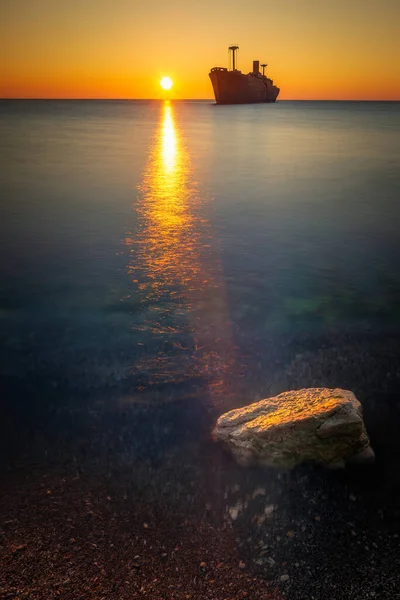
234	87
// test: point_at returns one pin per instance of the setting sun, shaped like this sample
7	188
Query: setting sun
166	83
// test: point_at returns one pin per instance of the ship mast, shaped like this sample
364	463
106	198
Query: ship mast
233	50
263	68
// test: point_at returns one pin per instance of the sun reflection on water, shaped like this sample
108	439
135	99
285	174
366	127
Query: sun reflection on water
168	211
168	140
175	263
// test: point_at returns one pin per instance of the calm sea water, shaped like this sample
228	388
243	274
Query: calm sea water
150	245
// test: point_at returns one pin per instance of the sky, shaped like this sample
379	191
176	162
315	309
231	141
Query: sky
315	49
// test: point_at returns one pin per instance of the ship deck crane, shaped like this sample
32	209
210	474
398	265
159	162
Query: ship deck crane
233	49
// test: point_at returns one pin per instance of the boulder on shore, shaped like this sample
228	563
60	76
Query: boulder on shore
318	425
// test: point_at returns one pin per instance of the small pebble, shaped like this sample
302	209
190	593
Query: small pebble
285	578
260	491
290	534
233	513
19	548
260	520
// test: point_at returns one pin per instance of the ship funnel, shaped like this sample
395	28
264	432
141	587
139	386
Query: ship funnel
256	67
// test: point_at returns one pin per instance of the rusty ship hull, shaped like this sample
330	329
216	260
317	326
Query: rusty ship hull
233	87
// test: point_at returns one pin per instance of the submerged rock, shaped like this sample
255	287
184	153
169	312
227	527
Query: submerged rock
319	425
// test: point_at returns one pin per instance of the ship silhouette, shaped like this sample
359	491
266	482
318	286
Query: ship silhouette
235	87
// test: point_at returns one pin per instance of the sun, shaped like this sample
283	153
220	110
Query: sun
166	83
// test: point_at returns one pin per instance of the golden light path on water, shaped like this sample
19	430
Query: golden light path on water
168	238
176	266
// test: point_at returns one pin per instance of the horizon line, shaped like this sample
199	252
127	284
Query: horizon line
198	99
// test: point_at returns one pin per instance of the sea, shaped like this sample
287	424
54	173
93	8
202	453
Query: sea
163	262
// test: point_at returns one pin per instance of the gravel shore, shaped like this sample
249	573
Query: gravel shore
106	499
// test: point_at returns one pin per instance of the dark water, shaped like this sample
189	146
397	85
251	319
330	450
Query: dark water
160	252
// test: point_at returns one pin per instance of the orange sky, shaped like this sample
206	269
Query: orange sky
316	49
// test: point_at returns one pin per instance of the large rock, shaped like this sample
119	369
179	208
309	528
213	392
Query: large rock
317	425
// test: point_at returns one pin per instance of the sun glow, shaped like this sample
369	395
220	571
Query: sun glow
166	83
